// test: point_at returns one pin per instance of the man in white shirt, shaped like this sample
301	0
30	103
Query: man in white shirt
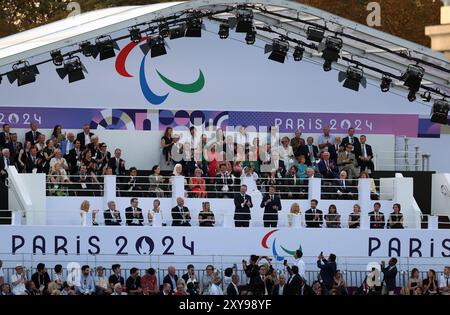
118	290
444	281
18	280
300	263
216	288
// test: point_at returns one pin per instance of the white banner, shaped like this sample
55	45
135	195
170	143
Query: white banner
279	243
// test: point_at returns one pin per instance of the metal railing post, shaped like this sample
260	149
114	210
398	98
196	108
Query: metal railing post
426	162
416	162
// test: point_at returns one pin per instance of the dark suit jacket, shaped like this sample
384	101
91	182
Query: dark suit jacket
376	224
269	212
3	143
107	215
259	287
2	162
242	213
309	218
333	153
345	186
72	159
112	164
177	217
220	182
129	216
231	290
13	149
293	286
358	151
389	277
29	165
347	140
80	137
29	137
304	150
327	272
324	171
167	280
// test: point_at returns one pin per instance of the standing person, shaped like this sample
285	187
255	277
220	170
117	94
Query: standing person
389	274
271	204
171	278
87	285
327	271
299	262
233	287
242	203
294	283
32	135
354	219
208	279
85	136
314	216
376	217
133	214
181	215
216	288
395	220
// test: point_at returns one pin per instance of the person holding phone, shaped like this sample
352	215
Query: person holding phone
41	278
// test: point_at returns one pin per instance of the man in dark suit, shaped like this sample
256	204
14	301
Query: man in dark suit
5	162
271	204
327	271
171	278
111	215
85	136
133	214
334	149
242	204
224	182
389	274
233	287
350	138
33	135
180	214
5	136
261	285
364	154
344	187
131	185
117	163
74	158
310	151
326	167
14	146
278	289
314	216
294	283
34	161
377	217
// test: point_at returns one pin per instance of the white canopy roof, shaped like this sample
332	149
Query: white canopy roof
280	15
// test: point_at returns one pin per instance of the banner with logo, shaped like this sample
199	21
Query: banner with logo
277	243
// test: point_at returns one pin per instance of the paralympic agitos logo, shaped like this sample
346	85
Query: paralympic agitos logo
274	246
151	96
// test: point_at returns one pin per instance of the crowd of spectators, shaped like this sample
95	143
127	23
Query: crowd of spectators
180	215
215	166
258	276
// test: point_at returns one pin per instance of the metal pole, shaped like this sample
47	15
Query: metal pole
416	162
406	154
426	162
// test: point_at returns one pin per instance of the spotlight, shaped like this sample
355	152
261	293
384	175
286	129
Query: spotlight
244	20
413	79
106	47
23	74
250	37
385	83
426	97
194	28
135	34
353	78
164	30
156	45
57	57
224	31
439	112
177	32
331	49
87	49
298	53
315	34
73	68
278	50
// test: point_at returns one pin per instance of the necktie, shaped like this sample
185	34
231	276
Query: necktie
271	197
6	162
364	150
328	165
34	135
351	140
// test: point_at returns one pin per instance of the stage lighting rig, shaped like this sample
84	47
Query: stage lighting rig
298	53
386	83
331	50
73	69
413	79
57	57
439	112
23	73
352	78
278	50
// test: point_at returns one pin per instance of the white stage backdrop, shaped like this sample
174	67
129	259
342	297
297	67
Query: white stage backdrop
279	243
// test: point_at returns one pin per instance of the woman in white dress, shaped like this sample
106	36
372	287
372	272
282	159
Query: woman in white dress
84	210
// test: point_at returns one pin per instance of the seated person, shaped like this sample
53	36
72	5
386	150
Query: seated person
206	216
180	214
326	167
344	188
197	184
354	219
332	219
373	189
395	220
131	186
347	161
